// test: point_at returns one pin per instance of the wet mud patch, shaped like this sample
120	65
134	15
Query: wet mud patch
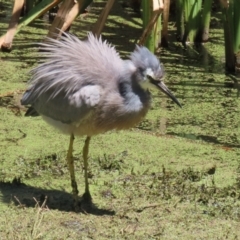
155	188
11	101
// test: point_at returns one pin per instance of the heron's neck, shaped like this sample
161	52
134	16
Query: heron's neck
136	98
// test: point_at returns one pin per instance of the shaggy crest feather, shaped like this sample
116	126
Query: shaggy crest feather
71	63
144	59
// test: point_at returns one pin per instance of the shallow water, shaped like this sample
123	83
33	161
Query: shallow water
195	74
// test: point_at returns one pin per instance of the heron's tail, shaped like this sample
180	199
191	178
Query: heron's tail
31	112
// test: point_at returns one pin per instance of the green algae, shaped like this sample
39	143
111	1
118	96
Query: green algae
151	182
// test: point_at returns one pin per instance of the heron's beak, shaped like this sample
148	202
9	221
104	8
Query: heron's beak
160	84
165	89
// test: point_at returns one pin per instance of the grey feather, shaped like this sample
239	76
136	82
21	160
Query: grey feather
144	59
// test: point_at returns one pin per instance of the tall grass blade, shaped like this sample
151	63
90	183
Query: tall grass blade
206	17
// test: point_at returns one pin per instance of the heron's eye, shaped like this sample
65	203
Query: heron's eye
151	79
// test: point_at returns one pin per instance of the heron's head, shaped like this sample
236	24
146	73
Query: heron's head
149	72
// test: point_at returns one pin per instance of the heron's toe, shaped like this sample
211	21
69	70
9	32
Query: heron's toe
86	197
86	205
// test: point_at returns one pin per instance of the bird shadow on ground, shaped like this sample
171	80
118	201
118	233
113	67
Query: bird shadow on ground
23	195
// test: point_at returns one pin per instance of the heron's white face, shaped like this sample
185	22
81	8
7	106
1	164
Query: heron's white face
149	75
149	71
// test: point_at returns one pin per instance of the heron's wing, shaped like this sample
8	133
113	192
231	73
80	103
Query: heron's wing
70	68
69	107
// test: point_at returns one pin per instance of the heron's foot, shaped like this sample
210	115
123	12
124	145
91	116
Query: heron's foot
86	203
86	197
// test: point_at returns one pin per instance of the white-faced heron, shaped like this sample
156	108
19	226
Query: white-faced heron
85	88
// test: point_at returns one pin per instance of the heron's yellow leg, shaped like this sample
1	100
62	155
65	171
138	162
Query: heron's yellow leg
87	194
71	170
